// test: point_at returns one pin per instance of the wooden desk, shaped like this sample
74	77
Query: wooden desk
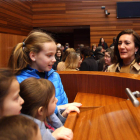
97	100
105	115
119	121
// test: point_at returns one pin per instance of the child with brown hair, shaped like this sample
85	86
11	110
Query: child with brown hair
18	127
10	100
40	103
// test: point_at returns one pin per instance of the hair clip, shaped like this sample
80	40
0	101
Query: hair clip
23	44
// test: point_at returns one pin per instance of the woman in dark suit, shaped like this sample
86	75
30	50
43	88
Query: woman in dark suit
103	44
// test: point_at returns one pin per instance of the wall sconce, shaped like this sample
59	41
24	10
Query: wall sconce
106	11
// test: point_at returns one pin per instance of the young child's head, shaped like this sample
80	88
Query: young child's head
39	97
38	50
10	101
18	128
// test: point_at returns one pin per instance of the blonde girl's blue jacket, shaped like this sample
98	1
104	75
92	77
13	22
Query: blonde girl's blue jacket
51	76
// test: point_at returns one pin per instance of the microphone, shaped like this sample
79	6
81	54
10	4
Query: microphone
133	99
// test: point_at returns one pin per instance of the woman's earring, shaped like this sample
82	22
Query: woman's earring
135	52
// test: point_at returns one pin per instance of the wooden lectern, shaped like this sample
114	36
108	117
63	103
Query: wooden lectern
106	114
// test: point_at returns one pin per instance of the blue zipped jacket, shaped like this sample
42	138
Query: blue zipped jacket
51	76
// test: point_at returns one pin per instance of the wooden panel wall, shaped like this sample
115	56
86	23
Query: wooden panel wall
15	16
83	12
15	24
7	43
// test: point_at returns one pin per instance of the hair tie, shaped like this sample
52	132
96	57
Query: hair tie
23	45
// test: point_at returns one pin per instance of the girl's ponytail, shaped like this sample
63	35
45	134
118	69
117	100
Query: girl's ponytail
18	59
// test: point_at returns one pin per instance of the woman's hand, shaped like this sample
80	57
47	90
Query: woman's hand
63	133
70	109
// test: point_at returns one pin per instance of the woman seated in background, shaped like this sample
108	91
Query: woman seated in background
126	53
94	48
58	57
61	65
103	44
73	62
108	58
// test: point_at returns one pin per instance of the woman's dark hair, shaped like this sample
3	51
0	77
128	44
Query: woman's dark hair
36	93
17	128
100	40
136	38
111	53
6	78
86	51
58	49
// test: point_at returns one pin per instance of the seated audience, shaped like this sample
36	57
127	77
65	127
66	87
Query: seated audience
19	128
88	63
40	104
126	53
103	44
58	57
61	65
73	62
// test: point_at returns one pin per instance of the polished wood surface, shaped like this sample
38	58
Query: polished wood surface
105	113
120	121
103	83
96	100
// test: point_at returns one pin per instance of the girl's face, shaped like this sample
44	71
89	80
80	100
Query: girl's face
58	53
45	59
13	102
126	47
107	58
52	105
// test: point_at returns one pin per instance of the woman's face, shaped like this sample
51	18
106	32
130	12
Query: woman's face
94	48
102	40
107	58
58	54
126	47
